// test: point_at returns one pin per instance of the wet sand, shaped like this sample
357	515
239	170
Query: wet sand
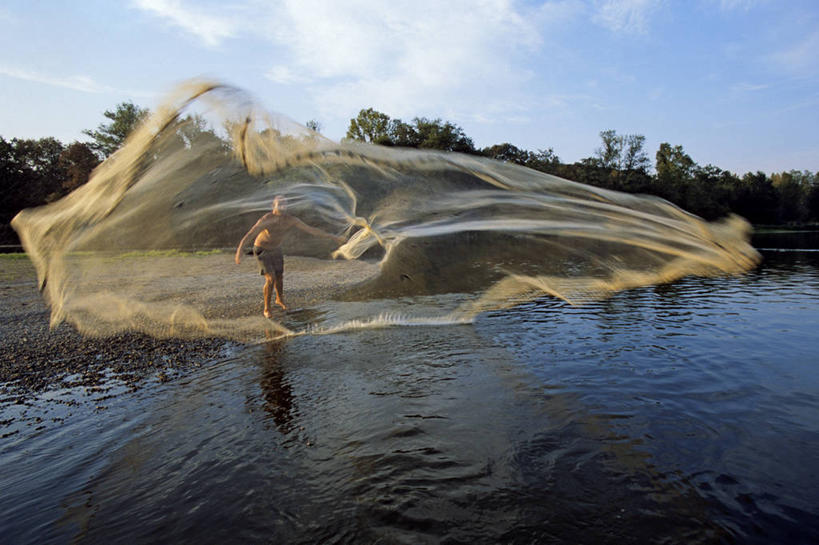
35	358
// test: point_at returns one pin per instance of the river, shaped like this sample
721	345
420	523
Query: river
682	413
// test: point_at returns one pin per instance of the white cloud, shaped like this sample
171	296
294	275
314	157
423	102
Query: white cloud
467	59
77	83
211	28
84	84
405	57
630	16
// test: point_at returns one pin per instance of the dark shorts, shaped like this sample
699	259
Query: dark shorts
271	261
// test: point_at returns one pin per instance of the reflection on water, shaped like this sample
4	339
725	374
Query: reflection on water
683	413
276	390
807	241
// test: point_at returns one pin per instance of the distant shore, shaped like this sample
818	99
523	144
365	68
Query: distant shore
806	227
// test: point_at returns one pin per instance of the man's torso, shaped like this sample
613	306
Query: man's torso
275	227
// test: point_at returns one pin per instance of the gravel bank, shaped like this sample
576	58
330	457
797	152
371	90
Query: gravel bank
35	358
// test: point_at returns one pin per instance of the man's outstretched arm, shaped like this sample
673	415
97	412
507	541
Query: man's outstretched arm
251	233
316	231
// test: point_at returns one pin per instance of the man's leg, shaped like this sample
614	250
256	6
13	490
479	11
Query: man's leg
280	290
268	284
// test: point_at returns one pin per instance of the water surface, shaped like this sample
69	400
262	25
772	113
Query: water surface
687	412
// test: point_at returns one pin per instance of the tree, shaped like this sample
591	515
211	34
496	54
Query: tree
507	153
543	160
16	179
377	128
195	131
634	157
673	164
813	199
38	175
793	187
313	125
109	137
30	175
755	198
622	152
77	160
370	126
440	135
41	156
708	193
609	154
403	134
619	163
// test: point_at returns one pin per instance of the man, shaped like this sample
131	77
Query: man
270	231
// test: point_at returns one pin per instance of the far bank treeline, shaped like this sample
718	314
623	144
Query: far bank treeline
38	171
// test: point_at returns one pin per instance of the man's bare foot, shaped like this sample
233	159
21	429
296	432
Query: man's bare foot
267	314
281	304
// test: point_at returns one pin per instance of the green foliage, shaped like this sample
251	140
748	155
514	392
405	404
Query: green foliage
194	130
314	126
507	153
30	175
756	199
813	200
109	137
708	191
370	126
608	156
30	172
439	135
634	157
37	171
34	172
543	160
621	164
77	161
673	165
621	152
378	128
794	188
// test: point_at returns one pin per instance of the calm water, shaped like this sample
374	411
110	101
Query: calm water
677	414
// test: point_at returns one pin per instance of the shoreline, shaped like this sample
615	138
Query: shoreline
35	358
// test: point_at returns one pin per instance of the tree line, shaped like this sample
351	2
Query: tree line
34	172
38	171
621	163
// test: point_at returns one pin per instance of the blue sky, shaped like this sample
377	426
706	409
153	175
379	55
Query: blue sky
735	82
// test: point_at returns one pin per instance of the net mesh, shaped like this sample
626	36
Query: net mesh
147	244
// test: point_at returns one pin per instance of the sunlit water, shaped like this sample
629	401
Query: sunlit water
678	414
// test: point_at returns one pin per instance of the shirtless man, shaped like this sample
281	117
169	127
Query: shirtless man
270	231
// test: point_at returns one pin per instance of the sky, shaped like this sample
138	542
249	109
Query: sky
735	82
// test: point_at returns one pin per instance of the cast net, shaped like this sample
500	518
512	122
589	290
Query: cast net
147	244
